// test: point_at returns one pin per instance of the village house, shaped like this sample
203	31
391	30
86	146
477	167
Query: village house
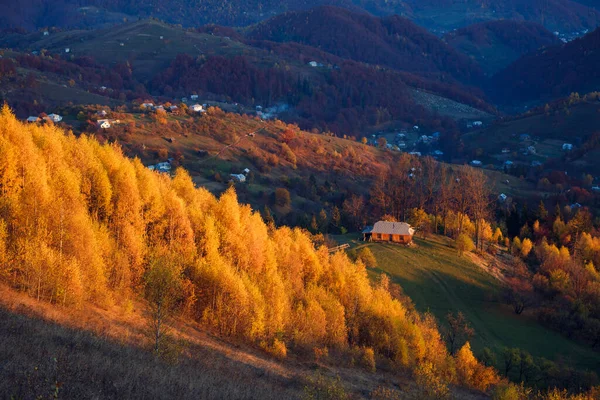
102	113
502	197
567	147
103	123
384	231
55	117
33	119
238	177
194	97
476	163
147	105
477	123
197	108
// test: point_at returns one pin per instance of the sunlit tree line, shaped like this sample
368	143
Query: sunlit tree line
80	222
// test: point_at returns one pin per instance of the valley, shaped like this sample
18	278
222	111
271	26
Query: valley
311	200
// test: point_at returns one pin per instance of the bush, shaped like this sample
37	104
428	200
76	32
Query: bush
324	388
464	244
366	256
282	197
277	349
510	391
367	359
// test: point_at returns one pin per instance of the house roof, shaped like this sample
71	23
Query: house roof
391	228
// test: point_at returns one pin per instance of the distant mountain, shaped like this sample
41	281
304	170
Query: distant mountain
552	72
439	15
560	15
496	44
392	41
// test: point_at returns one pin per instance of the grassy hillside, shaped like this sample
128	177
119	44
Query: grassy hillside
439	281
573	124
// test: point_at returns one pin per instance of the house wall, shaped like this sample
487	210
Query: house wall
384	237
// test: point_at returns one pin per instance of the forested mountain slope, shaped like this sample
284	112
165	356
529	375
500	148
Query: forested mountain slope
552	72
496	44
393	41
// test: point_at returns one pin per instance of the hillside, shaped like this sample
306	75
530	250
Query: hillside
441	15
496	44
560	15
565	122
125	232
135	60
439	281
551	73
392	41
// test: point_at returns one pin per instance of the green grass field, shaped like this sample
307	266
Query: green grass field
439	281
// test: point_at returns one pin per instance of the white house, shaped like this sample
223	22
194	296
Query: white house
246	171
238	177
476	163
147	105
315	64
416	127
595	188
163	167
55	117
438	153
102	113
67	50
567	147
477	123
502	197
33	119
197	108
415	153
103	123
194	97
46	33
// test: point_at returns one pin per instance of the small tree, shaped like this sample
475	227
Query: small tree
282	197
162	289
458	331
464	244
366	256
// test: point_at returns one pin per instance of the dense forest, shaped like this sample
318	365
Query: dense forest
496	44
550	73
395	42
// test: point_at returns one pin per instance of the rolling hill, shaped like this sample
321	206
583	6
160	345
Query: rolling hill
561	15
395	42
496	44
343	96
441	15
551	73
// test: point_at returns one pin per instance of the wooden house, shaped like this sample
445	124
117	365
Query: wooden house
384	231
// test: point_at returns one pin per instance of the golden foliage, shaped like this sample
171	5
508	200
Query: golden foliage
79	221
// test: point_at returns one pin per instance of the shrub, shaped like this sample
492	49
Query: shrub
366	256
324	388
464	244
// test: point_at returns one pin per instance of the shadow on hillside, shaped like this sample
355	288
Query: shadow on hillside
39	359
